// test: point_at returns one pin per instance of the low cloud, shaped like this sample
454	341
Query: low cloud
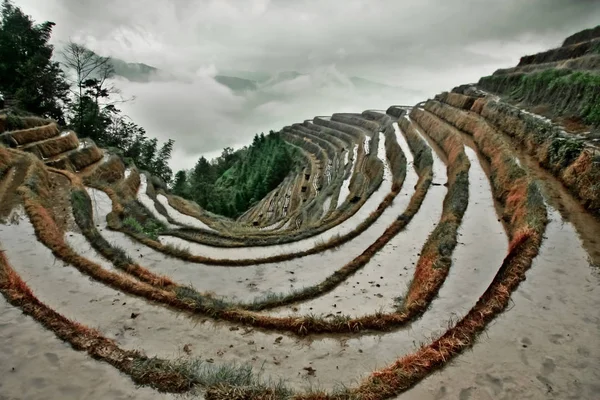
419	46
203	116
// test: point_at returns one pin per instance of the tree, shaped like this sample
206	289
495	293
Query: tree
180	186
160	165
149	148
90	81
233	181
29	76
27	71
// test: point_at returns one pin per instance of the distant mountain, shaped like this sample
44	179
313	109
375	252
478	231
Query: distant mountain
282	77
240	81
256	80
237	84
256	76
361	83
135	72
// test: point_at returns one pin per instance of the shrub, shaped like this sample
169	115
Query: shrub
151	229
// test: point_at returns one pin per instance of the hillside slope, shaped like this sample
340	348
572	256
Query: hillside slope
397	241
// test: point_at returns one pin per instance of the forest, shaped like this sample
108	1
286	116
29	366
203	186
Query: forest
231	183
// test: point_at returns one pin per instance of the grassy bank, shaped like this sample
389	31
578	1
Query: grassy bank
565	157
566	92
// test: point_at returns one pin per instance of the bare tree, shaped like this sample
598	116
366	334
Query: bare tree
92	74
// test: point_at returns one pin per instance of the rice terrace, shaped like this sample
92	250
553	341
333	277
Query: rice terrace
448	248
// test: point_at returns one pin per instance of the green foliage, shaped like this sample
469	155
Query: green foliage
567	91
180	184
151	228
109	129
230	184
83	215
564	151
27	71
13	122
220	379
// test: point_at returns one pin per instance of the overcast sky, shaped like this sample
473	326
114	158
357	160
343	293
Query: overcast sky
422	45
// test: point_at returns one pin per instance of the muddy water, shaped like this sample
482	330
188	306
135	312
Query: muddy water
285	226
149	203
559	197
270	227
162	332
482	246
546	345
77	241
6	182
38	366
302	245
244	283
346	157
345	189
34	363
388	273
181	218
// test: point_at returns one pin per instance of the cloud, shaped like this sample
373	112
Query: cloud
422	45
203	116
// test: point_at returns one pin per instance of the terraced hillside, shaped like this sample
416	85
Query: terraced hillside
400	240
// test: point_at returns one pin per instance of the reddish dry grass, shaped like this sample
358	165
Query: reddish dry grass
425	281
478	105
580	176
583	176
83	338
524	245
6	159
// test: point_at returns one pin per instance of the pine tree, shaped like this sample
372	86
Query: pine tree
27	71
160	165
180	185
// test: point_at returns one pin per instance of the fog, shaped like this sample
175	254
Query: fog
416	48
